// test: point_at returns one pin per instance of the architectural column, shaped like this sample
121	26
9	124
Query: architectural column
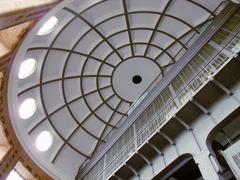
208	165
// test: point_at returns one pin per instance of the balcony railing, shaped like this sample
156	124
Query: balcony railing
225	44
191	40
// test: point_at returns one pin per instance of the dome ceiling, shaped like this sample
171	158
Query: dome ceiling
89	64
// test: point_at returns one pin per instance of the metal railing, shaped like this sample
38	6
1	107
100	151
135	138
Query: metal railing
191	40
187	83
196	35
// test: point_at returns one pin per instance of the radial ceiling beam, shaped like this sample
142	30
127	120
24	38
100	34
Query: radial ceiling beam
105	129
218	22
95	30
157	24
128	25
61	107
202	6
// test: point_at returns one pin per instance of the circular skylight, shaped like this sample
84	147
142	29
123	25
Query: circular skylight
48	26
44	141
27	108
27	67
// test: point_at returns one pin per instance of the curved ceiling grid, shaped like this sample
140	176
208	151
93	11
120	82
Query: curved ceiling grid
99	59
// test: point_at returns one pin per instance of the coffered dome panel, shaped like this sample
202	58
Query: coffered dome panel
98	58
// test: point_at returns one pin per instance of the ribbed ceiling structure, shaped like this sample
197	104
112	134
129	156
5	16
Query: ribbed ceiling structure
100	56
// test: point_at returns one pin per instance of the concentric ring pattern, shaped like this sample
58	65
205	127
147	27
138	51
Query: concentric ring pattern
84	78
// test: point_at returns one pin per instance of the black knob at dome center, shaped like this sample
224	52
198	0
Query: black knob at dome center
137	79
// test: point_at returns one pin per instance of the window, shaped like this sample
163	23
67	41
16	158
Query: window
44	141
27	108
27	67
48	26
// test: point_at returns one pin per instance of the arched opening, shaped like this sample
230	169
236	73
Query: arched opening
182	168
224	137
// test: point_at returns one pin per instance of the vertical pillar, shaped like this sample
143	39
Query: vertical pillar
208	165
176	100
135	135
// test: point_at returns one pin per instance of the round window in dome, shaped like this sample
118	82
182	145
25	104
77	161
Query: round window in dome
48	26
27	67
44	141
27	108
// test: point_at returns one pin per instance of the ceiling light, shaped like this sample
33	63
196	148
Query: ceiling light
27	67
27	108
48	26
44	141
